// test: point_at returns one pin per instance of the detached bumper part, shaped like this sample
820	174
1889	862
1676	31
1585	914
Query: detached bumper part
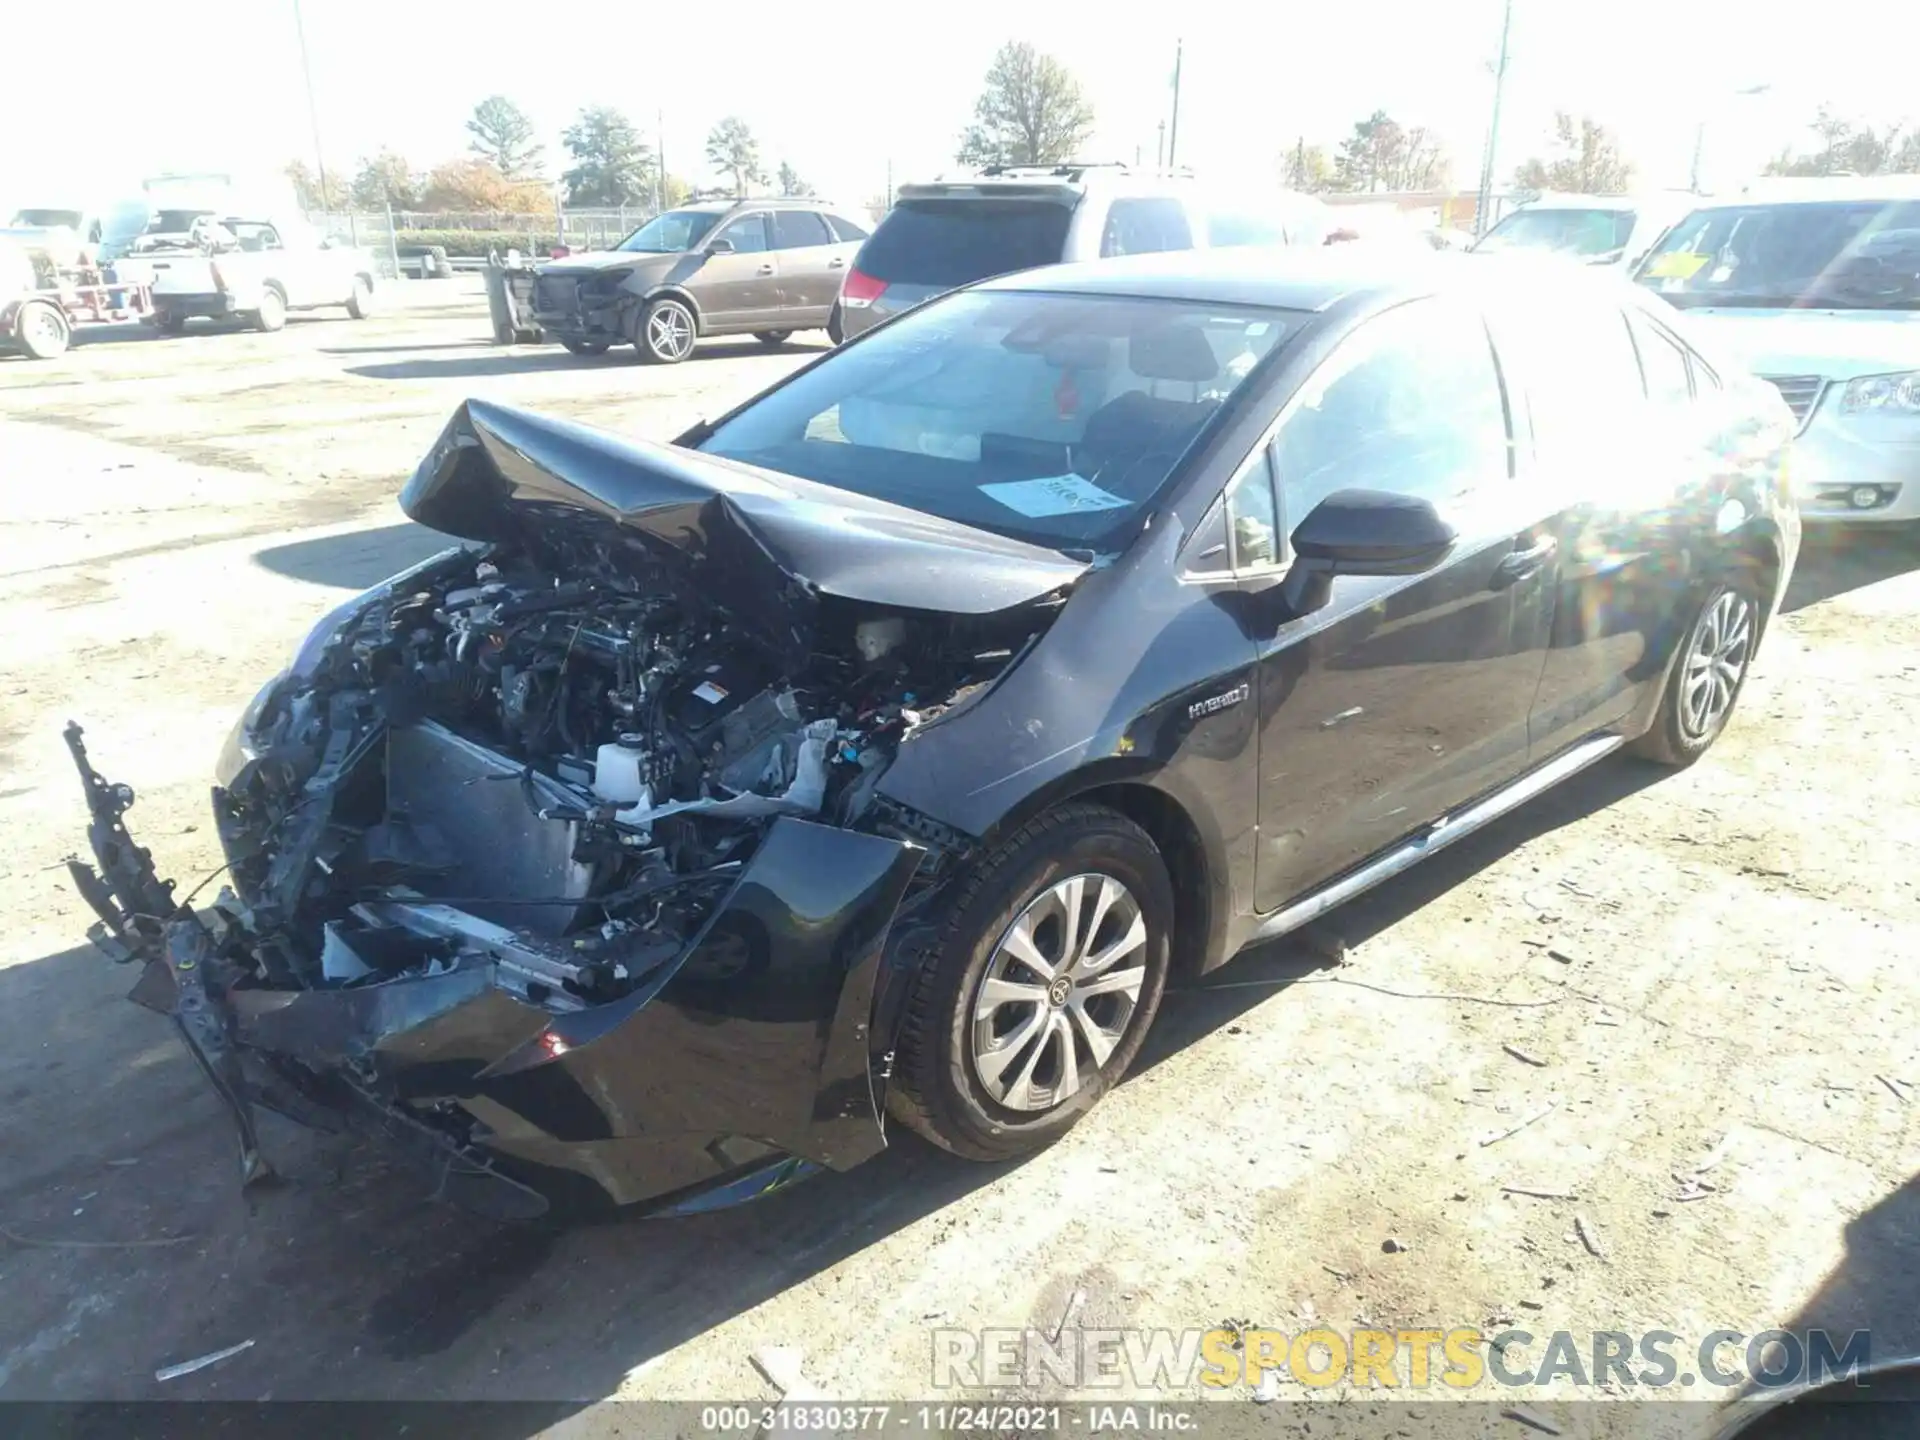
740	1065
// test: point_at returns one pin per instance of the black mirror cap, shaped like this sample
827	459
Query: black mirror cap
1372	532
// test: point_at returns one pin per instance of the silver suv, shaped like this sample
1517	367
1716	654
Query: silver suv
950	233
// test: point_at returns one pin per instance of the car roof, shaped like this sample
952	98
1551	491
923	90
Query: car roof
1310	278
1277	277
757	202
1813	190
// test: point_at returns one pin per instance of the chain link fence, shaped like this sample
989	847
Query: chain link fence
467	237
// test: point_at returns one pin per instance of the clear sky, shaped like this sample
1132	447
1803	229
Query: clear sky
842	90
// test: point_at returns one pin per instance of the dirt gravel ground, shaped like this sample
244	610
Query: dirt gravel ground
1712	965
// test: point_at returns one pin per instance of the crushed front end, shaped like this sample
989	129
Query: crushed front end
561	859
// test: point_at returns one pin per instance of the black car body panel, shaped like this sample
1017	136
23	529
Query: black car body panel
1277	728
499	473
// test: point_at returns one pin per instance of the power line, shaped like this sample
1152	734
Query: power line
313	110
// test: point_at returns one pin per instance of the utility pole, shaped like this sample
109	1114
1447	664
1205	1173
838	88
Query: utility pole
1483	209
1173	136
660	162
313	110
889	182
1160	150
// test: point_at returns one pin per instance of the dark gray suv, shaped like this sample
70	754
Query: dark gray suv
764	268
949	233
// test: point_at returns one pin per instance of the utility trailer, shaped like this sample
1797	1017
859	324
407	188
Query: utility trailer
43	302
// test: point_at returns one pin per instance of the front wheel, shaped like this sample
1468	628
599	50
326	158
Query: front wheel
667	332
272	314
1707	676
1051	959
360	298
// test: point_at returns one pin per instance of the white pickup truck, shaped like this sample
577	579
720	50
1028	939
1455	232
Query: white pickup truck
249	269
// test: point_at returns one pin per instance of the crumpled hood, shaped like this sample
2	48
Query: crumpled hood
1833	344
594	261
764	542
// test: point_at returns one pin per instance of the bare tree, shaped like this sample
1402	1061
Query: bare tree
790	182
1030	112
1849	148
504	136
1383	154
732	150
1306	167
1586	160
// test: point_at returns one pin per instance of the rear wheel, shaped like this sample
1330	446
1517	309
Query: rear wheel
360	299
773	337
1052	956
585	347
667	332
42	331
1708	675
272	314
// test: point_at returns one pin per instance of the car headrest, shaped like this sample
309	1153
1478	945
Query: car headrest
1171	352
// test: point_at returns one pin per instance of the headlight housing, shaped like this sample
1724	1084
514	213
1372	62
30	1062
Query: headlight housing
1890	394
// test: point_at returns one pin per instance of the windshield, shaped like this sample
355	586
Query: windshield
1048	418
50	219
949	243
1589	234
670	233
1855	254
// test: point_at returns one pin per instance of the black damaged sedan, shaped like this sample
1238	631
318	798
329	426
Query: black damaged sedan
881	748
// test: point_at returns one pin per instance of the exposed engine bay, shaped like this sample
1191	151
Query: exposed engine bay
556	765
563	862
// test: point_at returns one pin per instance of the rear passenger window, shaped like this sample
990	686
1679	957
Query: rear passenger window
1146	225
1411	403
1580	374
799	229
845	229
1665	366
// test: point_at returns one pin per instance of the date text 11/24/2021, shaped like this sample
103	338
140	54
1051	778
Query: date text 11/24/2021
794	1417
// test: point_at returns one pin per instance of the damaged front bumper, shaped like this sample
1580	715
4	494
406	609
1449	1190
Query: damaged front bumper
740	1064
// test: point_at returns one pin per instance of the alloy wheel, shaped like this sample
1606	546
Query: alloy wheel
670	332
1059	991
1716	661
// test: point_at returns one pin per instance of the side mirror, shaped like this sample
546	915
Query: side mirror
719	247
1363	532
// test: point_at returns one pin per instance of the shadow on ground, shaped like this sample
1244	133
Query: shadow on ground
351	1286
527	359
1836	559
354	561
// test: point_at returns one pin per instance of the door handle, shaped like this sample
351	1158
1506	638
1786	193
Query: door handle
836	263
764	270
1518	564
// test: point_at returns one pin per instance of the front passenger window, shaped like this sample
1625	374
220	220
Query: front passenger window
1411	404
748	234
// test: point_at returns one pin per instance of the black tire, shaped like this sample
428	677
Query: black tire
272	314
168	323
41	330
1678	736
773	337
836	330
663	318
360	298
584	347
937	1089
